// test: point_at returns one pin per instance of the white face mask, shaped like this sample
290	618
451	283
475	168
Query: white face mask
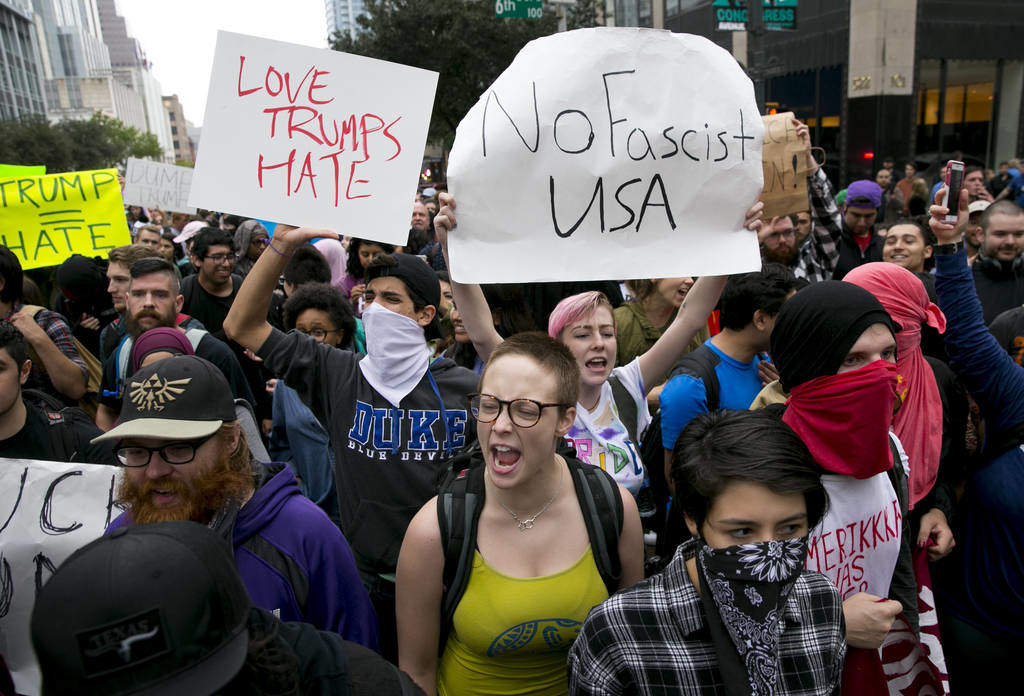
397	355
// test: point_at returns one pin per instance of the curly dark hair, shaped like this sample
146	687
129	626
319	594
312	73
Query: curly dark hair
326	298
354	268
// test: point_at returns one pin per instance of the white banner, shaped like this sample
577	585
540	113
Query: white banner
608	153
47	511
313	137
157	185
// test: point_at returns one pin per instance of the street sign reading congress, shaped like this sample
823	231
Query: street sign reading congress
731	15
518	9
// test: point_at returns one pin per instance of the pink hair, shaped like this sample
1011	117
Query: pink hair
573	308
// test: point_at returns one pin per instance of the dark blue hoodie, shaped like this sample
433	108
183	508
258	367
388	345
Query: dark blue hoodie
295	562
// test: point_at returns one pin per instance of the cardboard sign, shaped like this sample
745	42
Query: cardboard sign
157	185
313	137
48	218
785	167
47	511
11	170
608	153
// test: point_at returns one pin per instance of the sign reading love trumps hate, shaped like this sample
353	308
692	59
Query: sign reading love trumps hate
312	137
608	153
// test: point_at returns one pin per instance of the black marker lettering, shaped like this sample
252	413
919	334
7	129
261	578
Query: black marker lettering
725	148
675	148
629	151
608	101
536	119
743	137
632	215
590	126
664	202
598	195
682	144
45	514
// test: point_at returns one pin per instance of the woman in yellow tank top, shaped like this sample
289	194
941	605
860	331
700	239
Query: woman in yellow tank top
534	578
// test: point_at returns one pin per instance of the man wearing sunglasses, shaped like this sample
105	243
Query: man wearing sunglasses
185	457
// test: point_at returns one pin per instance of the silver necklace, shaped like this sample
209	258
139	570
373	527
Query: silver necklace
528	522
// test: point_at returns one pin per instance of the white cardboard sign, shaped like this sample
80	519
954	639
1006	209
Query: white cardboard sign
313	137
47	511
157	185
608	153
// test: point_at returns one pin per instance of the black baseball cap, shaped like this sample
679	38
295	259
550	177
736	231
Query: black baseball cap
180	398
148	610
419	278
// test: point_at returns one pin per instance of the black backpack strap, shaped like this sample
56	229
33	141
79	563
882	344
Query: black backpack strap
283	564
601	504
458	512
701	363
626	407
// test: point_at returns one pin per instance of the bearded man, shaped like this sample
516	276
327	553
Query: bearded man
153	299
185	457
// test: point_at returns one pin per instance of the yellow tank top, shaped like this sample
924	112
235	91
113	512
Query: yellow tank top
512	635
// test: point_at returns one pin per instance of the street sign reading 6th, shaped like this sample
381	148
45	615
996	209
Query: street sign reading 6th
518	9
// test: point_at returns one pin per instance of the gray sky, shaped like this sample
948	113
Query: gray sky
179	37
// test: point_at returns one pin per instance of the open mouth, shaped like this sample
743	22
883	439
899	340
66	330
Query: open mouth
504	459
596	365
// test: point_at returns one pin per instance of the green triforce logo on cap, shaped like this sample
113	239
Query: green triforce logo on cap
153	392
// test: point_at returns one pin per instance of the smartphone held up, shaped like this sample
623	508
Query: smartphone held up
954	181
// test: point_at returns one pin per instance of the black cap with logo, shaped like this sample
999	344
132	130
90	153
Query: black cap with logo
155	610
179	398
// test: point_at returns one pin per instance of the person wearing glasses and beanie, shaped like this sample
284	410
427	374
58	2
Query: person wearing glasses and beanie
185	457
534	573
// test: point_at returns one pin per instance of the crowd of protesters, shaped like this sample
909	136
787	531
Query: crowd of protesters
345	472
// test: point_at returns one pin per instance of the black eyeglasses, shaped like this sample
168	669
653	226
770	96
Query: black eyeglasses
524	412
136	456
222	258
318	334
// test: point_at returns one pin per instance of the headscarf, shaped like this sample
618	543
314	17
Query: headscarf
336	257
817	327
843	419
243	236
162	338
918	423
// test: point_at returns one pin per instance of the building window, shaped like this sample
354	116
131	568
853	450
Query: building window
174	130
170	115
177	146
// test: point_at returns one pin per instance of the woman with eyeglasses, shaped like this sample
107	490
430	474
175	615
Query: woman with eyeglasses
534	572
251	240
296	436
612	410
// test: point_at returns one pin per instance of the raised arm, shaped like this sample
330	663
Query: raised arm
985	368
476	315
246	322
68	376
699	304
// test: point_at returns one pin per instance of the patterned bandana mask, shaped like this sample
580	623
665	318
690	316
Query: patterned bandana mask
744	590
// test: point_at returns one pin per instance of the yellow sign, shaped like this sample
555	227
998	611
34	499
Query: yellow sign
46	219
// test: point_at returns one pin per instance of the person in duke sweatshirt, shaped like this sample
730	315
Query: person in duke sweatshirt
393	416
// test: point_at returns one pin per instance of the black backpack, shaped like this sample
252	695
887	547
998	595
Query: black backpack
459	503
61	419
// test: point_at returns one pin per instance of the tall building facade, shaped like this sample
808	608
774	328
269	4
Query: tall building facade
21	86
130	68
79	79
184	150
342	15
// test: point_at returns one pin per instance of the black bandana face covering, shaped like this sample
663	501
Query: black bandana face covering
743	590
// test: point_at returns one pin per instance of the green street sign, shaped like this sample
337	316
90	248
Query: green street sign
518	9
731	15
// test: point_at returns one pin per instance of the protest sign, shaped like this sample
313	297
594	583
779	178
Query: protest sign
608	153
313	137
47	510
48	218
157	185
785	167
11	170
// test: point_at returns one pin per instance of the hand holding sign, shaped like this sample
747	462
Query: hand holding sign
787	161
624	152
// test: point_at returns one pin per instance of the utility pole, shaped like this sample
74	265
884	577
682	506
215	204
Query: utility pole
755	49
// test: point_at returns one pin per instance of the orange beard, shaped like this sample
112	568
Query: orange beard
199	499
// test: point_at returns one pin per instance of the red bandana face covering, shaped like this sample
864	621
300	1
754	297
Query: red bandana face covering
844	419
